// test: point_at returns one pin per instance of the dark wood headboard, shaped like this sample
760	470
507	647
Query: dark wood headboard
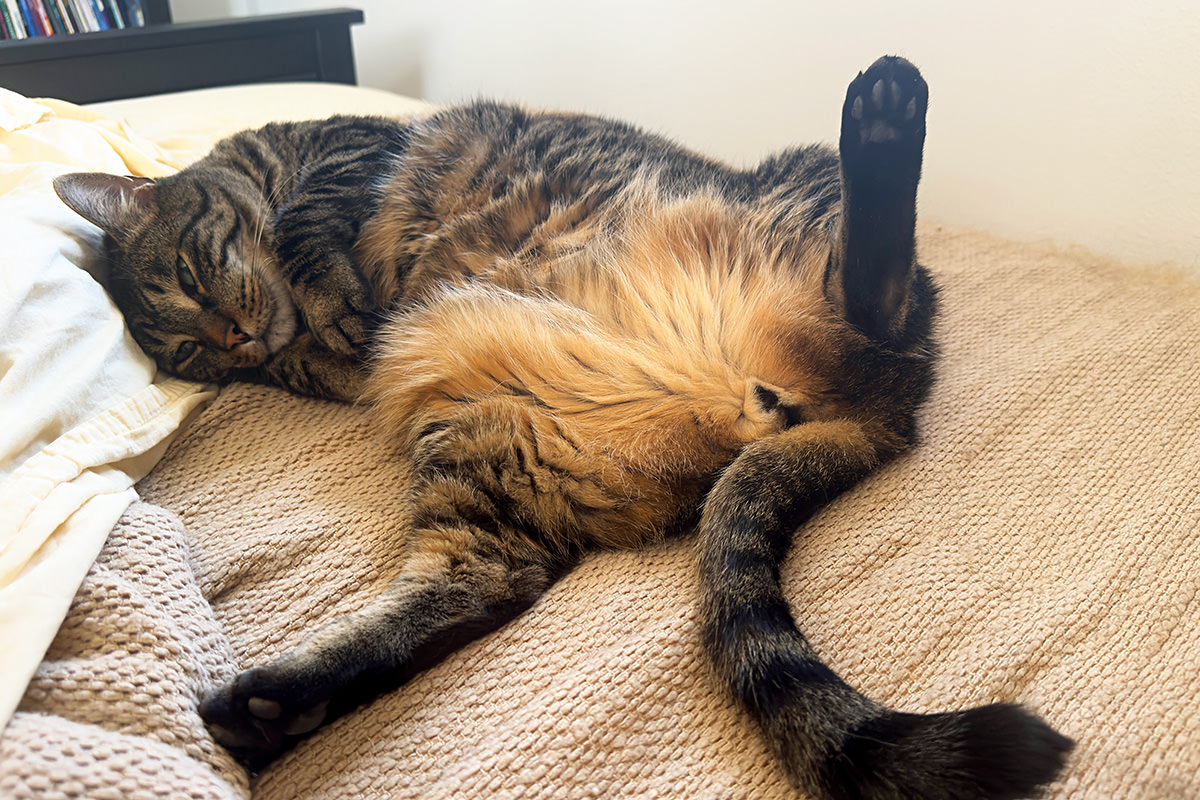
168	57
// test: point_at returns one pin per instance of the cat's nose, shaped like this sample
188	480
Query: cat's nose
235	336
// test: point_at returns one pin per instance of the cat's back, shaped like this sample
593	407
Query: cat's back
486	181
461	150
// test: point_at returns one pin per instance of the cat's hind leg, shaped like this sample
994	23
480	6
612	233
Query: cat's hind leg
463	573
881	149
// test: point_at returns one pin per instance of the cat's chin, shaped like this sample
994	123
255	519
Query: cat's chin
282	323
281	328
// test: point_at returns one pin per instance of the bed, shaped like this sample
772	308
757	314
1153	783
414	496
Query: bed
1038	546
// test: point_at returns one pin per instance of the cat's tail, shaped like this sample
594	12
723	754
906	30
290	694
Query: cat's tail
833	741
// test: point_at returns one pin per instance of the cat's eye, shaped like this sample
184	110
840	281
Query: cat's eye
184	353
187	279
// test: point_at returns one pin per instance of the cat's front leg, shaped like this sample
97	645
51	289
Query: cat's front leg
307	367
313	241
335	301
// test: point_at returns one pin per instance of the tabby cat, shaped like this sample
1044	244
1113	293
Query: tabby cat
590	334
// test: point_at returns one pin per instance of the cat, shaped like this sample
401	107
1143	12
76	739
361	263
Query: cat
584	336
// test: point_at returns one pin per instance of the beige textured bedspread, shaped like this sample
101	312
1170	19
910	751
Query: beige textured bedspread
1039	545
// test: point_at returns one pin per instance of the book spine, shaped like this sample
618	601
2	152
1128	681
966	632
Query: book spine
71	11
114	7
18	18
134	16
94	12
104	21
6	22
53	21
43	19
31	28
16	26
68	19
88	16
76	20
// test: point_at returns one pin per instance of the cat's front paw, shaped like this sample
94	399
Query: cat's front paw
308	368
886	103
256	717
341	323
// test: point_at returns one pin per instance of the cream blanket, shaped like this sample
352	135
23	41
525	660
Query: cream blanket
82	416
1039	545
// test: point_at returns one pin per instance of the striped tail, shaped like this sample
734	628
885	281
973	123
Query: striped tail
833	741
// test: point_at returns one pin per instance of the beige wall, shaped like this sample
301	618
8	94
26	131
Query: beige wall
1071	120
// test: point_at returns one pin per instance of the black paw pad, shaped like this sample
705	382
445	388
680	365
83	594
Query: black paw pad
264	709
887	103
256	727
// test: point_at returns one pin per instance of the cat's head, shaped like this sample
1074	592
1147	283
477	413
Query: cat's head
190	267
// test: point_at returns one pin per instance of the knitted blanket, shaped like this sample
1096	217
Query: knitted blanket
1038	545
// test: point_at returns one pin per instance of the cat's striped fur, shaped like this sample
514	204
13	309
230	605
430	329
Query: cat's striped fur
592	334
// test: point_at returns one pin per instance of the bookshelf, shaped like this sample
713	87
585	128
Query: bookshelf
20	19
163	56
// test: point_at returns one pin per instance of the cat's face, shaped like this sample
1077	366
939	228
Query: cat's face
190	268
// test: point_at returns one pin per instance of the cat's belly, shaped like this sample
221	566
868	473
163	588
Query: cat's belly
637	374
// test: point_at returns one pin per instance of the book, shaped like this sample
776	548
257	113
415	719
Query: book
134	16
10	30
17	27
31	28
53	21
96	9
71	9
68	20
114	8
45	27
86	15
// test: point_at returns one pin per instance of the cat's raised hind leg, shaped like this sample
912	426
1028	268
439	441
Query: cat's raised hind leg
832	740
881	146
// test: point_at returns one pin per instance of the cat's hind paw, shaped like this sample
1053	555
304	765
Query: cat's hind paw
256	719
886	103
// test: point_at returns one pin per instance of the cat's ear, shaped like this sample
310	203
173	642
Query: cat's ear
117	204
